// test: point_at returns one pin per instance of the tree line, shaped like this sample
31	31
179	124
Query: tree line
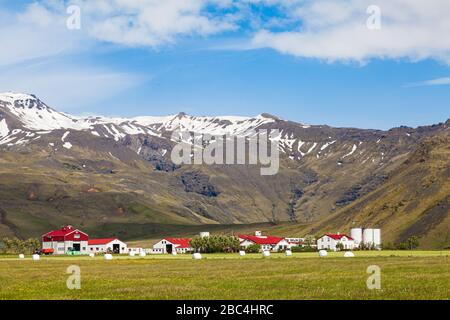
215	244
17	246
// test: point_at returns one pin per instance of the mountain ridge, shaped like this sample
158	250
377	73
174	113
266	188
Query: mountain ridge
55	167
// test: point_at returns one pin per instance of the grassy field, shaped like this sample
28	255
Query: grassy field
404	275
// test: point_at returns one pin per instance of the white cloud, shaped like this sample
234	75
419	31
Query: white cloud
36	33
320	29
433	82
68	86
40	30
336	31
152	22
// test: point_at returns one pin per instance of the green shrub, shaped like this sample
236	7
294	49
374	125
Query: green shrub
215	244
16	246
253	248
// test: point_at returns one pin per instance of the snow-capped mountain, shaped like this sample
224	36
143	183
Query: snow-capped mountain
34	117
24	119
58	168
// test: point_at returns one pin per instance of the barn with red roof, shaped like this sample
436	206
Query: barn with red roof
170	245
267	243
110	245
69	240
65	240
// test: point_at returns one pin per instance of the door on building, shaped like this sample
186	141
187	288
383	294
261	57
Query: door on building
76	247
169	248
116	248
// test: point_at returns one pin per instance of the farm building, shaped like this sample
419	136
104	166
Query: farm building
137	250
65	240
367	237
333	241
69	240
267	243
112	245
169	245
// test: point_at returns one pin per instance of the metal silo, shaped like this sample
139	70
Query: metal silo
368	236
377	237
357	235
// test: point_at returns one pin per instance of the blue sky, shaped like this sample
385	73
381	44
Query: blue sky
304	63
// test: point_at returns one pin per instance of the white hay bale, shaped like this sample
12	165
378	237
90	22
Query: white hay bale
266	254
142	254
21	256
131	253
196	256
323	253
108	256
349	254
288	253
36	257
174	253
92	255
242	253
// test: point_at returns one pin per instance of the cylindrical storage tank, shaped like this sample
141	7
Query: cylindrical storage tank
266	254
368	236
377	237
204	234
357	235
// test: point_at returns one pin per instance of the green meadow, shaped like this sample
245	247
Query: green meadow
404	275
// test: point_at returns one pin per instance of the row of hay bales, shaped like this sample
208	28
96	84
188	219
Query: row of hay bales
198	256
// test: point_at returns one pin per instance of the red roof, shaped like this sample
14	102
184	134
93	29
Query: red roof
66	233
180	242
338	236
94	242
60	233
261	240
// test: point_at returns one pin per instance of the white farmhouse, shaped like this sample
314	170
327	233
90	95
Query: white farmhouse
112	245
332	241
267	243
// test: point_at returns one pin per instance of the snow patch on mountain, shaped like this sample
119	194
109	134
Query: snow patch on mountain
4	130
351	152
66	134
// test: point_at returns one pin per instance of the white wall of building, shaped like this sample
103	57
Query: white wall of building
283	244
328	243
102	248
62	247
161	247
